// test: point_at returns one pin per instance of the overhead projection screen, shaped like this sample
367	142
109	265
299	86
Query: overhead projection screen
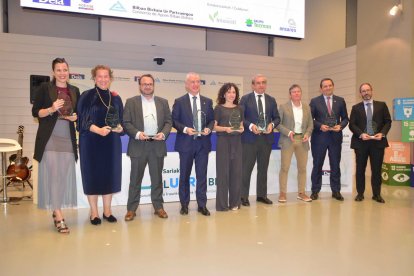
270	17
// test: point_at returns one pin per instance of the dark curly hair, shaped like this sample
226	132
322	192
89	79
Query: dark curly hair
226	87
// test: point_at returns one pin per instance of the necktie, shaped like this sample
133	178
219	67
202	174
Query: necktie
259	100
328	103
195	117
370	131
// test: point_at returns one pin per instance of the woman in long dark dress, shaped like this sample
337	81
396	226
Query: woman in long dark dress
229	127
55	146
100	144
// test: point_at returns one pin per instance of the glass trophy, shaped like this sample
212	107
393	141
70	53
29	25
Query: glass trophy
374	129
262	123
112	118
150	126
235	119
330	120
199	122
66	109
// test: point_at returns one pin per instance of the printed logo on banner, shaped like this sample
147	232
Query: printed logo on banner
85	5
203	82
215	18
53	2
257	23
76	76
213	83
118	7
291	26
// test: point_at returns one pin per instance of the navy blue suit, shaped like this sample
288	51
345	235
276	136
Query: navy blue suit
257	147
330	141
191	149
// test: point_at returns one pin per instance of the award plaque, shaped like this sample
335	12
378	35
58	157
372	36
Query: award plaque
199	122
330	120
112	118
374	129
150	126
235	119
262	123
66	109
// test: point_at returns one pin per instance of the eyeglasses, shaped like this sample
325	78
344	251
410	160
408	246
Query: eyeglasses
366	90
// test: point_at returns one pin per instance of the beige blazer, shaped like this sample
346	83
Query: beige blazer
287	123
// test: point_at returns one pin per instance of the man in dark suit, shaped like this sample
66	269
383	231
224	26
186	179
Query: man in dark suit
147	121
329	118
193	141
258	137
369	122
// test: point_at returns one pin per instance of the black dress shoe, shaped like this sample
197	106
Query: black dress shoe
95	221
359	197
314	196
378	198
245	201
204	211
337	196
184	210
264	199
110	219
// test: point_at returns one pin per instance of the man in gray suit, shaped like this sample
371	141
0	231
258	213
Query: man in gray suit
296	125
147	121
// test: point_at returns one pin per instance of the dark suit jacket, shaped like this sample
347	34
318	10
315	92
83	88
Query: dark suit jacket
319	112
251	116
45	95
134	122
182	116
287	123
358	123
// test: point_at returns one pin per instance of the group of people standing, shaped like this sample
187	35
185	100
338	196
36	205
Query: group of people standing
245	134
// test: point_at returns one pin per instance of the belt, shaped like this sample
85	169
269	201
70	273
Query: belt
149	140
298	133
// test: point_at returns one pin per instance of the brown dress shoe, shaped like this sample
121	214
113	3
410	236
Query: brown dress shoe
161	213
130	215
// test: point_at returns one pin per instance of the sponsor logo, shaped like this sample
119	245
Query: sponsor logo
85	5
118	7
203	82
76	76
291	27
213	83
216	19
257	23
53	2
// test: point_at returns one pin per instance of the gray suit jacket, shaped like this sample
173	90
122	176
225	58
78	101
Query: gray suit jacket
134	122
287	123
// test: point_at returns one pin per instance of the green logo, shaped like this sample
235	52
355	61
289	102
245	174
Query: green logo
212	17
249	22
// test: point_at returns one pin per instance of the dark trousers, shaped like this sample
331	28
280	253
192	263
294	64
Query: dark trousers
228	170
200	156
138	164
258	151
376	156
318	154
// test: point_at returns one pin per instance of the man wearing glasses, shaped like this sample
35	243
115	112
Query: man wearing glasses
147	121
369	122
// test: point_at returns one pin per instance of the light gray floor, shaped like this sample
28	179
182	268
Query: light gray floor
325	237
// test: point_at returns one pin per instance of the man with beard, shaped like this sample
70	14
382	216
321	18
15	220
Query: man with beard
369	122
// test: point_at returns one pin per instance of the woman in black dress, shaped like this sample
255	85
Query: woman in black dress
229	127
100	143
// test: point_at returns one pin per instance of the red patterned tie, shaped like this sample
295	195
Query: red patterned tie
328	102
